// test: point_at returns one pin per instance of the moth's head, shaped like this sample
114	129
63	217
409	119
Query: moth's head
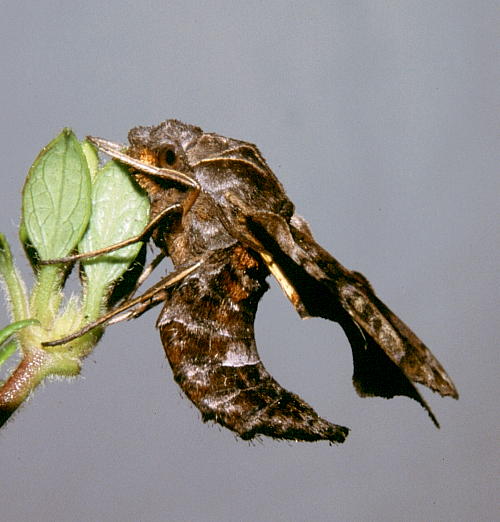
167	142
164	145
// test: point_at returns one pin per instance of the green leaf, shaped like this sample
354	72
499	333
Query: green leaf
12	328
14	285
6	350
56	197
120	210
92	158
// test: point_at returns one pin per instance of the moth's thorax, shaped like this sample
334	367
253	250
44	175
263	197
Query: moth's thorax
198	232
227	170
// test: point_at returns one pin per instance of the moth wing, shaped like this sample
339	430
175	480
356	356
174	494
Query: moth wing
400	344
387	356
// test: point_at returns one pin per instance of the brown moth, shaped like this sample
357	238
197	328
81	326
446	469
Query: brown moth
223	218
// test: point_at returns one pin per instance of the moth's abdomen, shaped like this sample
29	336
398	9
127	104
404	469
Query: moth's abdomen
207	331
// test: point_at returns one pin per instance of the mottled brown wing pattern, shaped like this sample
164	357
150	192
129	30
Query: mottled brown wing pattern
388	357
206	327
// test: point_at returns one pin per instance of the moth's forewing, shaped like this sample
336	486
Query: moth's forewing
388	356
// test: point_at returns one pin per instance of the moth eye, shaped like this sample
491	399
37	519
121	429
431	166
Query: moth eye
167	157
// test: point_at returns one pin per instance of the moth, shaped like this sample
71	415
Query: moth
225	221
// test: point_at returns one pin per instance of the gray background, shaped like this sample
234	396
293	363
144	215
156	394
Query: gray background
380	118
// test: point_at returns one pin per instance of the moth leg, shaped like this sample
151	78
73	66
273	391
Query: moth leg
144	302
149	228
148	271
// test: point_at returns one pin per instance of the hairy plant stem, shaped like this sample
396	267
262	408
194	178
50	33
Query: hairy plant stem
30	372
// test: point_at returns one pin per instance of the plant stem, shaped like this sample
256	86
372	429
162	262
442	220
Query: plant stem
30	372
47	295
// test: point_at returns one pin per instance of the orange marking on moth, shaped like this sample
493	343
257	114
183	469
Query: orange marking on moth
233	287
242	258
146	156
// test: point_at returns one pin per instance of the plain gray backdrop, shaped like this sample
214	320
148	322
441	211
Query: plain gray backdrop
381	120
